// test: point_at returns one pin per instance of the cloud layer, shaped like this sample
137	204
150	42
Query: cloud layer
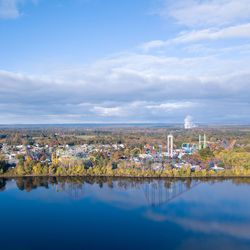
202	71
129	88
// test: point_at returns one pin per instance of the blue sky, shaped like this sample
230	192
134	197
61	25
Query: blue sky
66	61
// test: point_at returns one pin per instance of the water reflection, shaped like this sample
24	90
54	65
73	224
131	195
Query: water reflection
182	213
2	184
156	191
161	192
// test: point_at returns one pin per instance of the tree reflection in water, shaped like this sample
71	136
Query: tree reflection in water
2	184
156	191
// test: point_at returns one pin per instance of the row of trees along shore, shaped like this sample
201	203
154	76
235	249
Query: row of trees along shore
235	162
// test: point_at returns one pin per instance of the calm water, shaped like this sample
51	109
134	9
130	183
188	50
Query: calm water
102	213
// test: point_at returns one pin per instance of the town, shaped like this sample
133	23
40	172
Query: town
131	151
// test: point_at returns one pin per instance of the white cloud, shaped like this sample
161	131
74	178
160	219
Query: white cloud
232	32
239	31
153	44
10	9
107	111
207	13
140	108
172	106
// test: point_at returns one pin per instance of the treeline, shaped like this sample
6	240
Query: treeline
130	136
38	170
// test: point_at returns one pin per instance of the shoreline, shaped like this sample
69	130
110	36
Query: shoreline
135	177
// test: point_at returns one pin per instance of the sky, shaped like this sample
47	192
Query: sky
124	61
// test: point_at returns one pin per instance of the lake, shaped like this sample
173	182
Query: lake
107	213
